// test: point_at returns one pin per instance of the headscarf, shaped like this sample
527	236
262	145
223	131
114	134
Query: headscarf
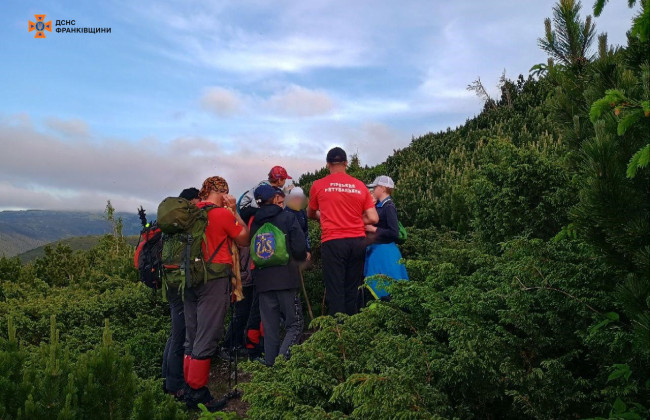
214	183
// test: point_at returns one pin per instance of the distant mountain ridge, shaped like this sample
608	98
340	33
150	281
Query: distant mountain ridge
76	243
23	230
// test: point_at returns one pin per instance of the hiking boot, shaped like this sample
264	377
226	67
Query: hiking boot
215	405
194	397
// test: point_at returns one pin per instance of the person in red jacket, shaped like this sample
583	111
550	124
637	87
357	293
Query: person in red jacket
344	206
206	304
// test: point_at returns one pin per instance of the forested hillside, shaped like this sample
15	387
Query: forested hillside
77	243
21	231
529	257
528	254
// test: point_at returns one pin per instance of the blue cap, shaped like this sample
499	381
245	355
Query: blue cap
267	192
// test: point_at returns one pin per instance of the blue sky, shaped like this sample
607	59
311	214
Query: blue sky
181	90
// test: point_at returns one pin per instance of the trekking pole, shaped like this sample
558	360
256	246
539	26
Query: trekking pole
232	324
233	346
322	308
234	298
233	393
304	291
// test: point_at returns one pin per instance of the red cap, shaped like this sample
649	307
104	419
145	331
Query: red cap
278	173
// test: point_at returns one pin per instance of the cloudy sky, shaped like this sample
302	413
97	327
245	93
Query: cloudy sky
181	90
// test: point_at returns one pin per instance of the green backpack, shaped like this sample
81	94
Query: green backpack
269	247
173	253
183	225
403	234
178	215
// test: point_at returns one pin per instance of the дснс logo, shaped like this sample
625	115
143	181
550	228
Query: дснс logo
39	26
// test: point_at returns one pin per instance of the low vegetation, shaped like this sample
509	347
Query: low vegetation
529	258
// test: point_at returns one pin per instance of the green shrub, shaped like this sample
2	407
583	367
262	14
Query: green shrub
508	335
525	190
49	381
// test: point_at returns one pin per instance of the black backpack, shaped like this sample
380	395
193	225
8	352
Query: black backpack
148	253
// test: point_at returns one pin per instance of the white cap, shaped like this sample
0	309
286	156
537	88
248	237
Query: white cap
382	181
296	192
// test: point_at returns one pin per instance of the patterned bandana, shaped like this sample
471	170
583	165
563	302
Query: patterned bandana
214	183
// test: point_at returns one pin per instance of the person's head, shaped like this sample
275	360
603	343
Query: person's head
296	198
382	187
337	160
267	195
278	176
214	189
191	195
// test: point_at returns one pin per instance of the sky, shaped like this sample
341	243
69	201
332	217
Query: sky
182	90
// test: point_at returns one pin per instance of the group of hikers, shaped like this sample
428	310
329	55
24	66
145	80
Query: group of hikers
264	238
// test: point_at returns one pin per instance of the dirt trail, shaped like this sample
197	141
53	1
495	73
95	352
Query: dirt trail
219	385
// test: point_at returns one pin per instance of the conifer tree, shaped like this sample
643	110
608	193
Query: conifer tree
567	38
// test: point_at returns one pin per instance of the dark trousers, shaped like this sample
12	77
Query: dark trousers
172	366
275	306
205	310
343	261
254	321
235	335
254	318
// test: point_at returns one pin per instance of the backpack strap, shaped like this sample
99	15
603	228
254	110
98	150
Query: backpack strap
214	254
208	262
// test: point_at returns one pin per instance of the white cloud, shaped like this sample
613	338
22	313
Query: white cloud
221	101
50	171
71	127
41	170
222	36
288	54
288	102
301	102
362	109
373	141
18	198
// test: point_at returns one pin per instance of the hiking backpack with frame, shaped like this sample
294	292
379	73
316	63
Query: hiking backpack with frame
183	227
148	253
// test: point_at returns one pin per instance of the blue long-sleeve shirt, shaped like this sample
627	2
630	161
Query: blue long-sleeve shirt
388	225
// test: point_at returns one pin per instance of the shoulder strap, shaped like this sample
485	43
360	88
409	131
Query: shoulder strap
210	207
214	254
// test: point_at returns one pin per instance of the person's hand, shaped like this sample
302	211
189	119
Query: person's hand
309	256
229	202
371	228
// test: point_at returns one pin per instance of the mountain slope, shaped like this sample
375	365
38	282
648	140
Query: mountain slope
76	243
21	231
